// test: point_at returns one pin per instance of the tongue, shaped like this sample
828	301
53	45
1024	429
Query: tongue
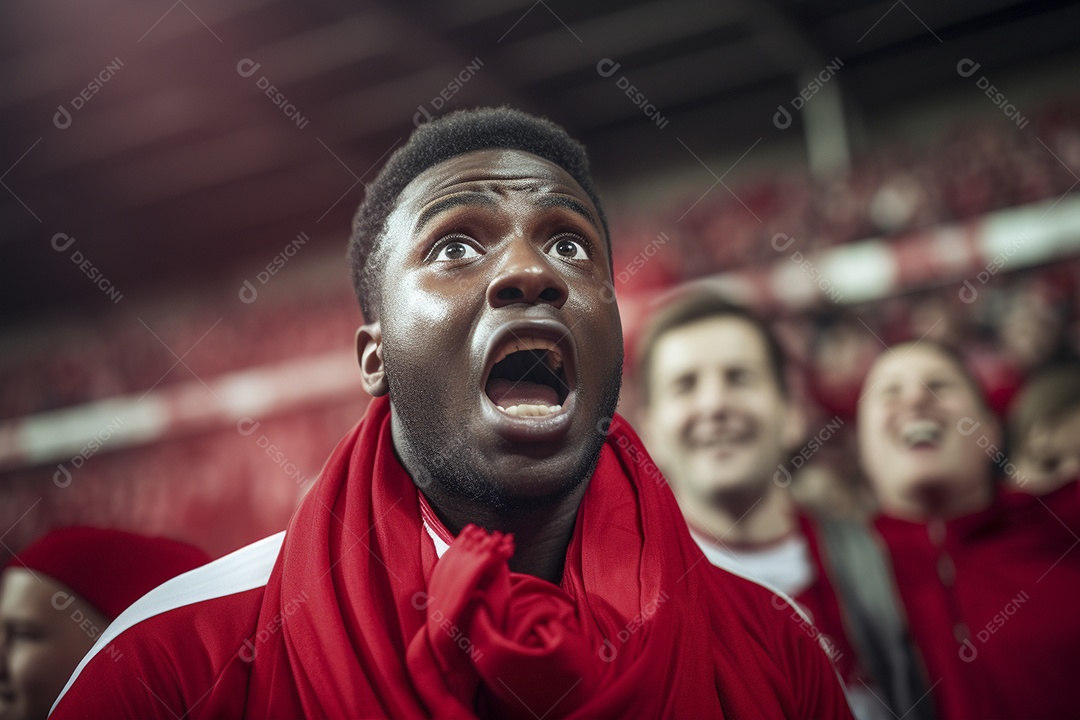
507	393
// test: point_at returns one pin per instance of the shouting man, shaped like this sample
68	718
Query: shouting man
485	541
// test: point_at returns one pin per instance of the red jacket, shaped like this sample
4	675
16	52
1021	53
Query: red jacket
992	601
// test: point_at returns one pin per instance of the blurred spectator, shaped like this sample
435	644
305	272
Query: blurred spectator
986	578
842	352
1032	324
721	422
57	597
1025	316
1044	430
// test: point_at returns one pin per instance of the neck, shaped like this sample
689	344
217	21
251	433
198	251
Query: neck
943	500
541	534
754	516
542	527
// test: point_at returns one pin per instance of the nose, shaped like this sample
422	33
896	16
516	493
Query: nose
526	275
713	397
918	395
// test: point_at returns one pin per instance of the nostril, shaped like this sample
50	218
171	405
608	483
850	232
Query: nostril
550	295
510	293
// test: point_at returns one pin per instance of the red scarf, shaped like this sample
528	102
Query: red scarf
365	622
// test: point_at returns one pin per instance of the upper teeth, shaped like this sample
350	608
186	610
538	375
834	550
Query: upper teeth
920	431
554	356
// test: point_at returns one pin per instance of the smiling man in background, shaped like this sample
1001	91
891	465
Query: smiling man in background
720	419
481	259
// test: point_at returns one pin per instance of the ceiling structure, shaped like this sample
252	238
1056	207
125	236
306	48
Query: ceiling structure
155	142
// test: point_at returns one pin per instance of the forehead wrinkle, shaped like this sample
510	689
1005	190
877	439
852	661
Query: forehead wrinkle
461	199
483	198
492	180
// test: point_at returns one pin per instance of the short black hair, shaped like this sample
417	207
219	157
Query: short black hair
457	133
692	306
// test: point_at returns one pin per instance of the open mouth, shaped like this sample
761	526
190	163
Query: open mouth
528	377
921	434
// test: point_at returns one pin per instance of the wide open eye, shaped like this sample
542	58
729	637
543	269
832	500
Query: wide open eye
569	247
456	250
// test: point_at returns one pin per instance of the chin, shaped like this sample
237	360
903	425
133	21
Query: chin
515	481
929	494
730	486
721	475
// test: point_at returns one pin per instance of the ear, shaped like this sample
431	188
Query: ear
369	353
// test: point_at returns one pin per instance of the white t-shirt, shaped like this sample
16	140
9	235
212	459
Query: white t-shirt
788	567
785	565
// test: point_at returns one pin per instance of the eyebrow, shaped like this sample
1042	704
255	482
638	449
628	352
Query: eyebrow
568	203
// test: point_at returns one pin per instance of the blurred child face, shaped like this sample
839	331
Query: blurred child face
1050	456
45	630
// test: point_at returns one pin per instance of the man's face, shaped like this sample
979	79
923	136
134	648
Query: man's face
501	339
923	430
40	645
717	421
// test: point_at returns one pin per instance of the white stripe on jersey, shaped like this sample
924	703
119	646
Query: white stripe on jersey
239	571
